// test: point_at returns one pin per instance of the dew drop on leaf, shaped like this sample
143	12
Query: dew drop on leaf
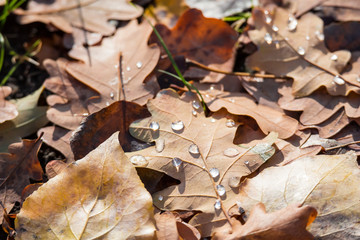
220	189
154	126
334	57
301	50
338	80
212	120
107	103
307	37
160	198
193	149
217	204
195	104
128	68
139	65
292	23
194	113
139	160
230	123
159	145
112	95
319	35
231	152
358	78
234	182
176	162
214	172
275	28
177	125
268	18
268	38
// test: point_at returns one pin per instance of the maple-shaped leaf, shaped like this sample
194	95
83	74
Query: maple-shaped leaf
91	15
119	66
17	167
206	40
198	151
7	110
328	183
268	119
288	223
99	196
295	47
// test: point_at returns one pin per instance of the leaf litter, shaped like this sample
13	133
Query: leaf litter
252	155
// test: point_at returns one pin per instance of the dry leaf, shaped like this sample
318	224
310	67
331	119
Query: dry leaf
92	15
295	48
54	167
205	40
17	167
342	10
99	126
342	36
268	119
166	12
328	183
7	110
191	147
99	196
119	66
288	223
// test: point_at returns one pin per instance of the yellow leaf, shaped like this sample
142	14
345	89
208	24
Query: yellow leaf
97	197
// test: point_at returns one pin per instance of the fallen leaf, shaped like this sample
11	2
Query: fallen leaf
166	12
79	37
119	66
7	110
99	126
17	167
58	138
198	38
92	15
328	183
268	119
296	49
31	117
193	148
219	9
303	6
99	196
342	10
288	223
54	167
342	36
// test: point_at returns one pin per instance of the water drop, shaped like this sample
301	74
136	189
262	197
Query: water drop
221	190
265	150
358	78
154	126
177	125
85	114
160	198
212	120
292	23
195	104
338	80
112	95
234	182
214	172
129	78
307	37
114	81
107	103
286	39
246	163
277	44
193	149
231	152
275	28
301	51
116	66
139	64
128	68
217	205
194	113
176	162
207	95
159	145
319	35
334	57
230	123
268	18
232	100
268	38
139	160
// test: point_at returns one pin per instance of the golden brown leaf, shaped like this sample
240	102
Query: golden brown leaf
17	168
7	110
288	223
191	147
92	15
328	183
299	52
99	196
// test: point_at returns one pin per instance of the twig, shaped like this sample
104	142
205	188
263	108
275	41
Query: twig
343	145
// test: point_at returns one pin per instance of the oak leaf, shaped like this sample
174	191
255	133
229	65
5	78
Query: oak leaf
7	110
205	40
99	196
295	48
341	10
198	151
17	167
288	223
328	183
92	15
